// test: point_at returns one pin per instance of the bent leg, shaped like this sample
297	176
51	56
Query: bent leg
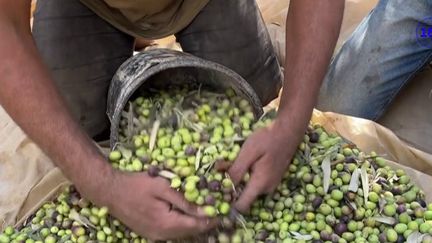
233	34
380	57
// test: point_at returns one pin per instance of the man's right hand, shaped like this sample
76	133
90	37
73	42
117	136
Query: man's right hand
152	209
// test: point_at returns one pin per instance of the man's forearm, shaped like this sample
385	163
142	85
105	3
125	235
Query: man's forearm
312	30
29	96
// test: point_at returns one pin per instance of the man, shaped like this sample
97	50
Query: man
54	84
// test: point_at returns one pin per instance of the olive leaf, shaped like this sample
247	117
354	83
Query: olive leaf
392	179
373	171
73	214
415	237
365	182
64	239
187	122
270	114
238	217
167	174
326	172
354	182
153	134
210	150
198	159
237	138
331	151
385	220
381	203
352	205
299	236
307	153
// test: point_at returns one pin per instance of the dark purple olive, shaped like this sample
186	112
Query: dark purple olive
313	137
400	239
153	171
396	191
325	236
202	183
422	202
340	228
335	238
344	219
190	150
382	237
401	208
262	235
293	184
317	202
214	186
210	200
382	181
54	215
350	159
270	241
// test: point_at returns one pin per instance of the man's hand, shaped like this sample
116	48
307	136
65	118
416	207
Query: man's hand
154	210
266	154
311	38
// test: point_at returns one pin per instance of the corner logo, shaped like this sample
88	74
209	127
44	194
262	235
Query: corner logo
424	32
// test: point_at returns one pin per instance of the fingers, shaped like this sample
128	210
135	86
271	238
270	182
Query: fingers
185	225
246	158
178	201
254	188
173	224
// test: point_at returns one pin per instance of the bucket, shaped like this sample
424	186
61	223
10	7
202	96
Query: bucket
159	67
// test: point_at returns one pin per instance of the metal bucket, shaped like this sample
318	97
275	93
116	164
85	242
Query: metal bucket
158	67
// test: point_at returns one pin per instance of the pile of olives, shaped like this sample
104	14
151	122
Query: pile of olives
331	191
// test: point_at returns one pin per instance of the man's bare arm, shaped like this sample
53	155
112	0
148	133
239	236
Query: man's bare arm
30	97
312	30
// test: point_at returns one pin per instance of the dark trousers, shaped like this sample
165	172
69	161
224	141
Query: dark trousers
83	51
